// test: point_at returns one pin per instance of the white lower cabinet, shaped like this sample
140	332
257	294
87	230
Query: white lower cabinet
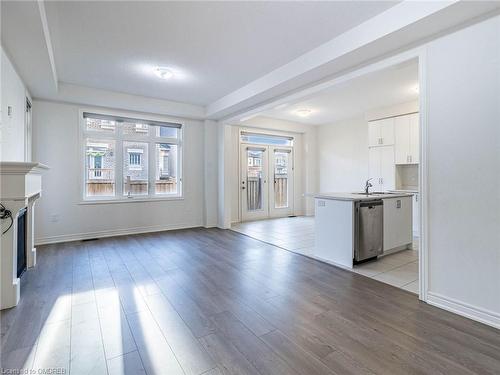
416	215
397	222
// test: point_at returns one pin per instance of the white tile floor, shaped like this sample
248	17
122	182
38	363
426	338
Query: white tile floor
297	234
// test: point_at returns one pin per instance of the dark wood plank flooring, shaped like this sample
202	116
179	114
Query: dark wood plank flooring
208	301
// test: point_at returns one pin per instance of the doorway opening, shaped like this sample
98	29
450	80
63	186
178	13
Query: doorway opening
266	176
369	125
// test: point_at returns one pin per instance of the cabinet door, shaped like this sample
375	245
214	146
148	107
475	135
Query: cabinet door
373	133
402	140
416	216
414	139
374	167
387	168
397	222
387	131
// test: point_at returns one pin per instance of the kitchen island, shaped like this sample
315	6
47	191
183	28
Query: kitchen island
338	224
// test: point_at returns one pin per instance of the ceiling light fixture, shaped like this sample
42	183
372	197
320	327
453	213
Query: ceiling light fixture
163	73
303	112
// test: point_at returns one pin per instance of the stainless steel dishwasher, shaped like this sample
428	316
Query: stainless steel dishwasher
369	230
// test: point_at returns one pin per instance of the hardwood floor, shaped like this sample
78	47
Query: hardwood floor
208	301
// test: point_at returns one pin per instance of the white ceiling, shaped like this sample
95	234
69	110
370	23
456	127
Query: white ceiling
354	97
216	47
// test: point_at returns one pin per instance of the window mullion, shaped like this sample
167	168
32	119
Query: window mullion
119	161
152	168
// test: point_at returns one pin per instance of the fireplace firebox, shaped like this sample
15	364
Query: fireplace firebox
21	242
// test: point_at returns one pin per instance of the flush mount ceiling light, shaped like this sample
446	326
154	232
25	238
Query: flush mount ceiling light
163	73
304	112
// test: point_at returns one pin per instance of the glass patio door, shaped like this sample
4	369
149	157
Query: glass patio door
254	184
281	165
266	182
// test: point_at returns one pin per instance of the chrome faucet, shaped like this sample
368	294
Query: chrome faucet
368	185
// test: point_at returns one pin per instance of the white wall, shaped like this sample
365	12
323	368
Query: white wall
210	173
59	216
393	110
464	170
343	149
12	129
343	155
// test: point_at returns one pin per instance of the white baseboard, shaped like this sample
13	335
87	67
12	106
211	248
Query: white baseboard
111	233
472	312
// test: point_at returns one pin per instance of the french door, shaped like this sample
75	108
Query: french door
266	181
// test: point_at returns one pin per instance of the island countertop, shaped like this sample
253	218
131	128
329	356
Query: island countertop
360	196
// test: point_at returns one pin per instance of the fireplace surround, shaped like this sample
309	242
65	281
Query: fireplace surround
20	187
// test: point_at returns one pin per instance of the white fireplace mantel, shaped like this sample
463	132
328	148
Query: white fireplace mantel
20	187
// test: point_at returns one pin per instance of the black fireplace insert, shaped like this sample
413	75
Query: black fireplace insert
21	242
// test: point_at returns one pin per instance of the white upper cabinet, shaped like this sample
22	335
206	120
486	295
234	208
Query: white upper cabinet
414	138
381	132
382	168
406	144
402	140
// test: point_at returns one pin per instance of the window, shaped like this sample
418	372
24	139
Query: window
134	158
266	139
127	158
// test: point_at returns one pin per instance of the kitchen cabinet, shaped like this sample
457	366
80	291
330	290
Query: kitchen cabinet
382	168
416	215
336	225
406	139
381	132
414	138
397	222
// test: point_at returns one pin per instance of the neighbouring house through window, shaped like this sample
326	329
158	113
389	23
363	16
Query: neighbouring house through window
119	153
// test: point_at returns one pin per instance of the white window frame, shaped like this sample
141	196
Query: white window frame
119	137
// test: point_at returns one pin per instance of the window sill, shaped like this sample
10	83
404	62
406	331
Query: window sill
129	200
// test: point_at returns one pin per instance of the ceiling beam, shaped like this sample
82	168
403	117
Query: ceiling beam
391	31
48	42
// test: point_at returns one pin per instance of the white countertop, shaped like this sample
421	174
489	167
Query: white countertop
413	191
360	197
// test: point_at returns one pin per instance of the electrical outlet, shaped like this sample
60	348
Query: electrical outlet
54	218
